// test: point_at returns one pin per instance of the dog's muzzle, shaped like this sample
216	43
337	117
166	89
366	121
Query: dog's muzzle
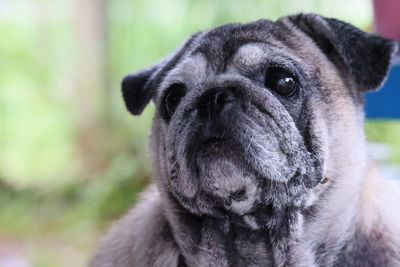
215	102
216	108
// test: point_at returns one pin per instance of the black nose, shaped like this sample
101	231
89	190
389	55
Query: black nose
215	101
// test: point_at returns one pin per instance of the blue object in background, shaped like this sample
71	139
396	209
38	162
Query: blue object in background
385	103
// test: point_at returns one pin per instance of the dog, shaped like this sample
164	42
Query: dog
259	152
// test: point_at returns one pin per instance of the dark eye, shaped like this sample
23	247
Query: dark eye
280	81
171	99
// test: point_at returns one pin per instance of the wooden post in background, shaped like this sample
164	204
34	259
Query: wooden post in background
90	79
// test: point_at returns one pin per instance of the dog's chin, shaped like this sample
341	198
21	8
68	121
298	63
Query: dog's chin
222	176
214	152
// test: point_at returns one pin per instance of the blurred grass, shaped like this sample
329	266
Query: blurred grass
387	132
52	204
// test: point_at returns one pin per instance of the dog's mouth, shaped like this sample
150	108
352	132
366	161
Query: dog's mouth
214	146
218	148
213	152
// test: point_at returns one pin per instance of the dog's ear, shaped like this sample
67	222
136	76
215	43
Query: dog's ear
135	91
365	56
139	88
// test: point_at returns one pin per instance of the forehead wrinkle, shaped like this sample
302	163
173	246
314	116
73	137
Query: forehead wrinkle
193	70
255	50
189	72
220	44
219	52
248	54
255	54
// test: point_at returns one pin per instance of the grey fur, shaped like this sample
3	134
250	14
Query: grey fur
246	177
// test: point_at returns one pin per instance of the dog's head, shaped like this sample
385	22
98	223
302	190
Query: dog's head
252	115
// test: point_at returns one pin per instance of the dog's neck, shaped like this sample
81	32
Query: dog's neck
226	241
292	242
337	207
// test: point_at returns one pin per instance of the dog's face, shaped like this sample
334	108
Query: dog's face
249	117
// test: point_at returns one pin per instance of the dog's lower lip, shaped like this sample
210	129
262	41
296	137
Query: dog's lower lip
213	140
213	146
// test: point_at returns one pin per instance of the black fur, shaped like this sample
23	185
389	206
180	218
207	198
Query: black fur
135	91
139	88
365	56
281	206
238	166
367	250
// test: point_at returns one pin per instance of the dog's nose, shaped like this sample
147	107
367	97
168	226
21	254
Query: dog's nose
214	101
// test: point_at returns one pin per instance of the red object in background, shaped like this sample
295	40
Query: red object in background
387	18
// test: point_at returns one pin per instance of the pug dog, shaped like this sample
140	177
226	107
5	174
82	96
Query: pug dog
259	152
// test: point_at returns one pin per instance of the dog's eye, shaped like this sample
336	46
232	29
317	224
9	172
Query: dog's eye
280	81
171	99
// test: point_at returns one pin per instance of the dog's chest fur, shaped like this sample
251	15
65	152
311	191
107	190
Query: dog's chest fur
216	243
214	246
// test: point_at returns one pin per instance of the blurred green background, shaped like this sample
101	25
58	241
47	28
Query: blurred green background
71	157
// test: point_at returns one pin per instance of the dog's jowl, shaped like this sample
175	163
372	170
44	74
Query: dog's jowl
259	153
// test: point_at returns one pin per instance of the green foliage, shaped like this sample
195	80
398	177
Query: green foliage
387	132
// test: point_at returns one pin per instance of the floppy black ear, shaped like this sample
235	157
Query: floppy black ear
136	90
365	56
139	88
